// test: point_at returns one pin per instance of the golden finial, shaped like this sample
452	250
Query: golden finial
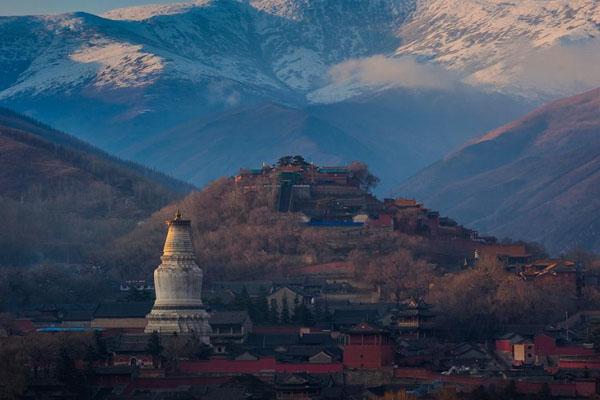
178	215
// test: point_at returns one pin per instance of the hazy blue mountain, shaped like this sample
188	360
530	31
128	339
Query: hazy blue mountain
537	178
62	199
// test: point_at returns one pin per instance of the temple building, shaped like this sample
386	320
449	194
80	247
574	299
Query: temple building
367	347
178	283
413	319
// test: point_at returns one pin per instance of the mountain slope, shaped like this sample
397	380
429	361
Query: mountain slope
210	146
415	127
61	199
537	178
511	46
120	81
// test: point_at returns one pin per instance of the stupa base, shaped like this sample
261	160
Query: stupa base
182	322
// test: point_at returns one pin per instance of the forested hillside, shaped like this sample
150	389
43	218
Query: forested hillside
61	200
238	234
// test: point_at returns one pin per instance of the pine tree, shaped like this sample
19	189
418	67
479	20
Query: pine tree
307	317
240	300
297	314
595	338
510	390
285	311
319	314
154	348
544	393
261	308
273	312
90	357
196	349
172	353
66	366
68	374
247	303
102	353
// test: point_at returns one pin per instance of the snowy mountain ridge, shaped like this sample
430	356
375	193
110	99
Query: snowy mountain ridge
292	45
508	44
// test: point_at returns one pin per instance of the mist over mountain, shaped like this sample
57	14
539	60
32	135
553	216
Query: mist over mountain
443	70
537	178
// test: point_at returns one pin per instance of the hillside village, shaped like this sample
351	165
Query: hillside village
325	330
339	197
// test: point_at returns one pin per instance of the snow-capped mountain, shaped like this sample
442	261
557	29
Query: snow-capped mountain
126	78
547	47
292	44
273	46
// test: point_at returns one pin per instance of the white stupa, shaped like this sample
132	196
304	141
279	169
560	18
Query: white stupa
178	283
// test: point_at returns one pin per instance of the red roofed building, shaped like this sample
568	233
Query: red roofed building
506	254
367	348
505	343
383	221
258	366
543	346
266	365
552	271
581	362
144	385
402	203
25	326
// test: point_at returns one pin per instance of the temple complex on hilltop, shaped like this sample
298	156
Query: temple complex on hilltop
178	282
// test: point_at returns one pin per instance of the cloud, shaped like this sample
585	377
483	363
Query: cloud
563	69
383	71
548	73
223	94
233	99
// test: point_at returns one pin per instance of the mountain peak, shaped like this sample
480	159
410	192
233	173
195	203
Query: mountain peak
558	118
140	13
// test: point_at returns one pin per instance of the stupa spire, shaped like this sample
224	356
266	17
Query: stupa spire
179	239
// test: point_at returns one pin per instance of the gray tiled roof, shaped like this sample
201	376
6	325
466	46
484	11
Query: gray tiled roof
123	310
228	317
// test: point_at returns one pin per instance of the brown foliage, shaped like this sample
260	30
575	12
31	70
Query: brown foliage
36	356
237	234
477	302
400	395
397	274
